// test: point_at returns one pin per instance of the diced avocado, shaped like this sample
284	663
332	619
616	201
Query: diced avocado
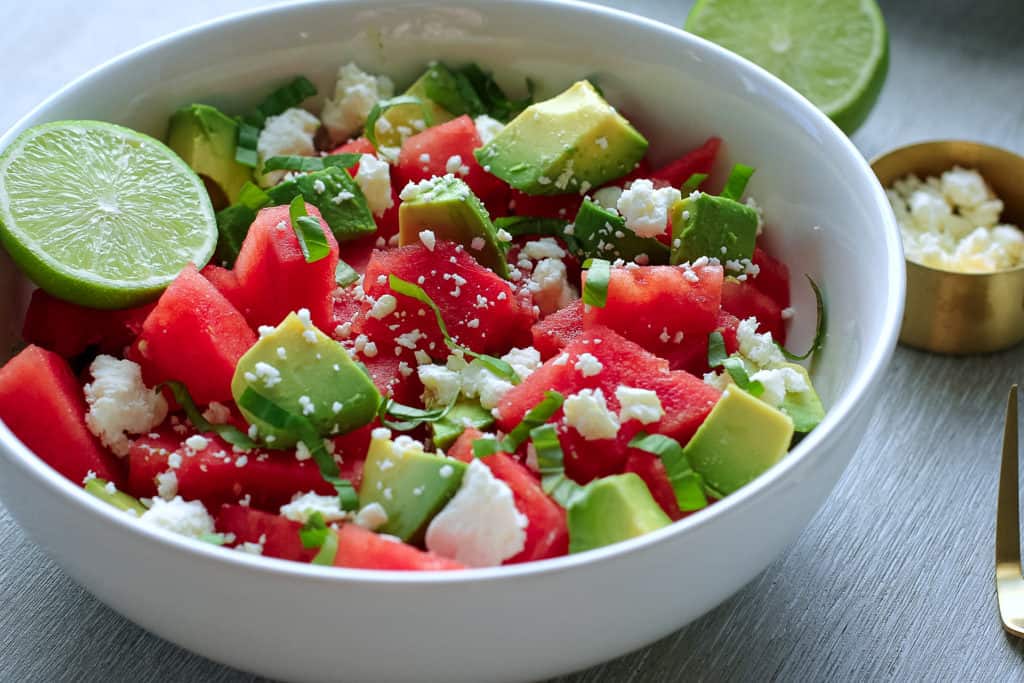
741	438
704	224
307	373
338	197
465	413
119	499
447	207
412	486
610	510
803	407
437	87
206	139
569	143
596	227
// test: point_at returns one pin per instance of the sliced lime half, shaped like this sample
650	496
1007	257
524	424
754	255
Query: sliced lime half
834	52
101	215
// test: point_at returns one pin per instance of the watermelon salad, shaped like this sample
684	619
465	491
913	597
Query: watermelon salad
439	329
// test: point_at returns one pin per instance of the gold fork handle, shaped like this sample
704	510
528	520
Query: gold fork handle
1008	512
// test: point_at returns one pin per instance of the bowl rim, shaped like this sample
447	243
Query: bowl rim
860	383
947	141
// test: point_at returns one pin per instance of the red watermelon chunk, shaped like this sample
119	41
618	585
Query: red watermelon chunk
692	353
278	535
69	329
773	278
744	300
658	307
394	376
362	549
459	286
355	146
274	278
546	533
699	160
193	335
554	332
685	399
217	475
42	403
544	206
427	154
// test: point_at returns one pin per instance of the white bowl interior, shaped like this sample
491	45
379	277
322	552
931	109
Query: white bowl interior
826	215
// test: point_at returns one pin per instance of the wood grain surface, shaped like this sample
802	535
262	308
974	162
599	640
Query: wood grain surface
893	579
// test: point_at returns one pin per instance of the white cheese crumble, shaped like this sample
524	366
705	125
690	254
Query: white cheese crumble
290	132
167	484
759	348
777	382
480	526
441	386
371	516
384	306
303	505
487	128
120	403
355	93
608	197
952	222
638	404
588	365
429	239
587	412
645	208
543	248
374	179
197	443
185	518
550	286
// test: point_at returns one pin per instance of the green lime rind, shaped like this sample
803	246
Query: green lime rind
834	52
101	215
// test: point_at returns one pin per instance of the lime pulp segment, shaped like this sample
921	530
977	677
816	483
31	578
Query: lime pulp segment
101	215
834	52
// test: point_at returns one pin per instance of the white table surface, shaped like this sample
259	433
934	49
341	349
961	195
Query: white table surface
892	579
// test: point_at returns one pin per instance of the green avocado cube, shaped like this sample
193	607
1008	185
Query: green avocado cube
712	226
205	139
610	510
570	143
411	485
338	197
307	373
803	407
448	208
741	438
464	414
602	233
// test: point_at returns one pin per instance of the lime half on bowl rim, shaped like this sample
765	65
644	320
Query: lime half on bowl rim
101	215
833	52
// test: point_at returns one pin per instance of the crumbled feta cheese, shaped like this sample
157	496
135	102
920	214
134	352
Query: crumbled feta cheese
524	361
290	132
265	372
608	197
167	484
372	516
303	506
479	382
543	248
480	526
550	286
504	235
638	404
383	307
478	243
355	93
185	518
441	386
120	404
588	365
646	209
374	179
602	142
759	348
197	442
777	382
487	128
587	412
428	238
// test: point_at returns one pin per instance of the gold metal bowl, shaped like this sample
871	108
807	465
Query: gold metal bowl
960	313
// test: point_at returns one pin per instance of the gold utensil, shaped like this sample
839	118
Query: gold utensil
1009	582
959	313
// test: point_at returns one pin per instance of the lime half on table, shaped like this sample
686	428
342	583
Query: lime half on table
101	215
834	52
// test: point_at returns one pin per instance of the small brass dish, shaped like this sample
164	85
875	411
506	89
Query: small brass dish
961	313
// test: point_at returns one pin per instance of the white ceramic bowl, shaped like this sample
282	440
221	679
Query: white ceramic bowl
292	621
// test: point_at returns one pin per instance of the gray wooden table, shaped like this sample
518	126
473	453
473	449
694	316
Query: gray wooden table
892	579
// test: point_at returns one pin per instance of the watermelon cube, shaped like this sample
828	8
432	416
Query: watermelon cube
745	300
42	403
69	329
773	278
278	535
699	160
554	332
193	335
359	548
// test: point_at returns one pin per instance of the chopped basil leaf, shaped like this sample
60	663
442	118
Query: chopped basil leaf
820	330
309	233
382	106
229	433
293	162
484	447
249	127
411	417
213	539
549	449
344	274
328	551
248	139
535	417
595	289
119	499
716	349
497	366
494	101
561	488
314	532
693	182
687	484
718	357
739	176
